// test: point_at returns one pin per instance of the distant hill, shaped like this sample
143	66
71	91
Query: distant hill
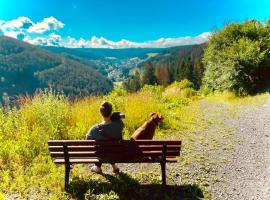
180	52
24	68
101	53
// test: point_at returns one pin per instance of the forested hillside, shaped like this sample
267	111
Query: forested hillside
24	68
100	53
172	64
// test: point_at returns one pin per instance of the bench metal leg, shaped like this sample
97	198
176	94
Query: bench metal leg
163	172
67	172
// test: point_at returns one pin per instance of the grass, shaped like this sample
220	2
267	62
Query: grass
27	171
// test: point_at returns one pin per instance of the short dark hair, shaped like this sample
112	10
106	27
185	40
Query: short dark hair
106	109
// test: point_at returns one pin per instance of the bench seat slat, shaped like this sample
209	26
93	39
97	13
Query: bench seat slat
94	160
114	148
113	154
93	142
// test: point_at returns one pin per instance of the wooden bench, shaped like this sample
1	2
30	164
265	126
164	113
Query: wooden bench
69	152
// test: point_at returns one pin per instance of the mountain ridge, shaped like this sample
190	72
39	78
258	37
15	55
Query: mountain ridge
24	68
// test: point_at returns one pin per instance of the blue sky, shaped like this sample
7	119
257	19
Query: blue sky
138	21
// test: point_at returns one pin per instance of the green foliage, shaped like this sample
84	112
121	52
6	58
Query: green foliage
25	68
234	55
133	84
179	90
148	76
76	79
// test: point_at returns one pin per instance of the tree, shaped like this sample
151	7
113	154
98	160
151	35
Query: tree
162	74
148	76
198	72
133	84
234	55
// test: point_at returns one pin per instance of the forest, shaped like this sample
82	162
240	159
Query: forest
25	68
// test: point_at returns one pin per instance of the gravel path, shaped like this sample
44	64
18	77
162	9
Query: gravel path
247	175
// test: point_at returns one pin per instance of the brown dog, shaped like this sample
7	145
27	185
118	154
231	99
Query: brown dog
147	130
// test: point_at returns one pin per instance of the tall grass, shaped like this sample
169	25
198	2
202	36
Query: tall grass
26	169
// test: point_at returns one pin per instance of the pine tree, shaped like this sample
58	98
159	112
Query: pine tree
148	77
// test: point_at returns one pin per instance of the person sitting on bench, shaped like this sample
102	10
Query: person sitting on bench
108	129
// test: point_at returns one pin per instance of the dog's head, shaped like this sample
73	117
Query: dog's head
156	117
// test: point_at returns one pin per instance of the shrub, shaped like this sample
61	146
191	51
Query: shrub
182	89
234	55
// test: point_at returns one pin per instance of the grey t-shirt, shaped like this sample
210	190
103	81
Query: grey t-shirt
111	131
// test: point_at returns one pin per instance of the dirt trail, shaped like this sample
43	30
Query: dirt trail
247	175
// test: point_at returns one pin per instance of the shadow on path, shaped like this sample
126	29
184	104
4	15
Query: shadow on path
125	187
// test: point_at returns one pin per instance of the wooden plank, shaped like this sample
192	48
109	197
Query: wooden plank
84	161
93	142
90	154
73	161
94	147
73	148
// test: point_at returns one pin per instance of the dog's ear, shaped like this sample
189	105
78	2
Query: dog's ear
152	114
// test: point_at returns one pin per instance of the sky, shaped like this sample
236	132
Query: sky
123	23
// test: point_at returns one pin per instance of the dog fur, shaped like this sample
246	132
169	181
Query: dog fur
147	130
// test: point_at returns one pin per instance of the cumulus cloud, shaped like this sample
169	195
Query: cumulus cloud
47	24
42	41
12	34
22	26
43	33
101	42
52	40
17	24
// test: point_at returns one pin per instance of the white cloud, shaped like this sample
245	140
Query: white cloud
55	40
25	29
17	24
1	22
102	42
43	33
52	40
37	41
47	24
12	34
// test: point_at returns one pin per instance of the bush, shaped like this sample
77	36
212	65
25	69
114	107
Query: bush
234	55
182	89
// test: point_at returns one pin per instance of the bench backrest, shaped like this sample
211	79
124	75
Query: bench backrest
113	149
